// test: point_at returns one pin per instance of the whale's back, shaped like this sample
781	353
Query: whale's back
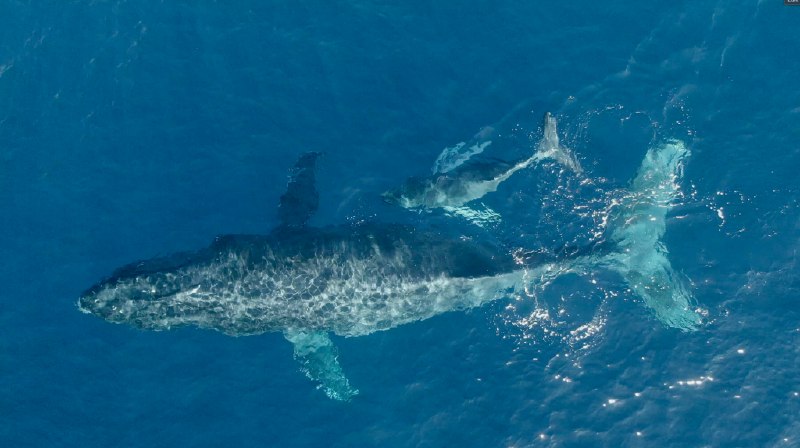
348	279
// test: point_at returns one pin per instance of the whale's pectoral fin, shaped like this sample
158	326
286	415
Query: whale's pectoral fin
317	356
301	199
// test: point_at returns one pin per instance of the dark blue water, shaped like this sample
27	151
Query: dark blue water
132	129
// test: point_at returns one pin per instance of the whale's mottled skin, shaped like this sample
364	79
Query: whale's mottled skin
353	280
347	280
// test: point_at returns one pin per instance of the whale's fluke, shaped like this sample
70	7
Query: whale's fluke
301	199
318	359
550	147
641	224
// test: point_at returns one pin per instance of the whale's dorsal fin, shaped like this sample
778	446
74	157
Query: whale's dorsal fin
550	137
318	359
301	199
550	147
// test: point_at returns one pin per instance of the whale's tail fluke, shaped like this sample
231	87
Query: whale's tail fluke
550	147
637	231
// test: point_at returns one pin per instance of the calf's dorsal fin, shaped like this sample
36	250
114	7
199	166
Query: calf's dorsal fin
301	199
550	147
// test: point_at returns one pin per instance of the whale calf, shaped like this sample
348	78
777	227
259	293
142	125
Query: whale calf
459	177
353	280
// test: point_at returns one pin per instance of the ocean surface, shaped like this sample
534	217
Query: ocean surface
130	129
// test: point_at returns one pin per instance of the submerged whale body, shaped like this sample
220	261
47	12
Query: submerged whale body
460	176
355	280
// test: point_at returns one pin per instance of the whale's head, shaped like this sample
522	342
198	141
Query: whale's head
120	300
140	293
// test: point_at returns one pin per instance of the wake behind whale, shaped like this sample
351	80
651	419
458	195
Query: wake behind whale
355	280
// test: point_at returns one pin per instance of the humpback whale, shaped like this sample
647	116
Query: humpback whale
459	177
353	280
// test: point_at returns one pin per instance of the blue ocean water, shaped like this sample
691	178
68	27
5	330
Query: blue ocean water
133	129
